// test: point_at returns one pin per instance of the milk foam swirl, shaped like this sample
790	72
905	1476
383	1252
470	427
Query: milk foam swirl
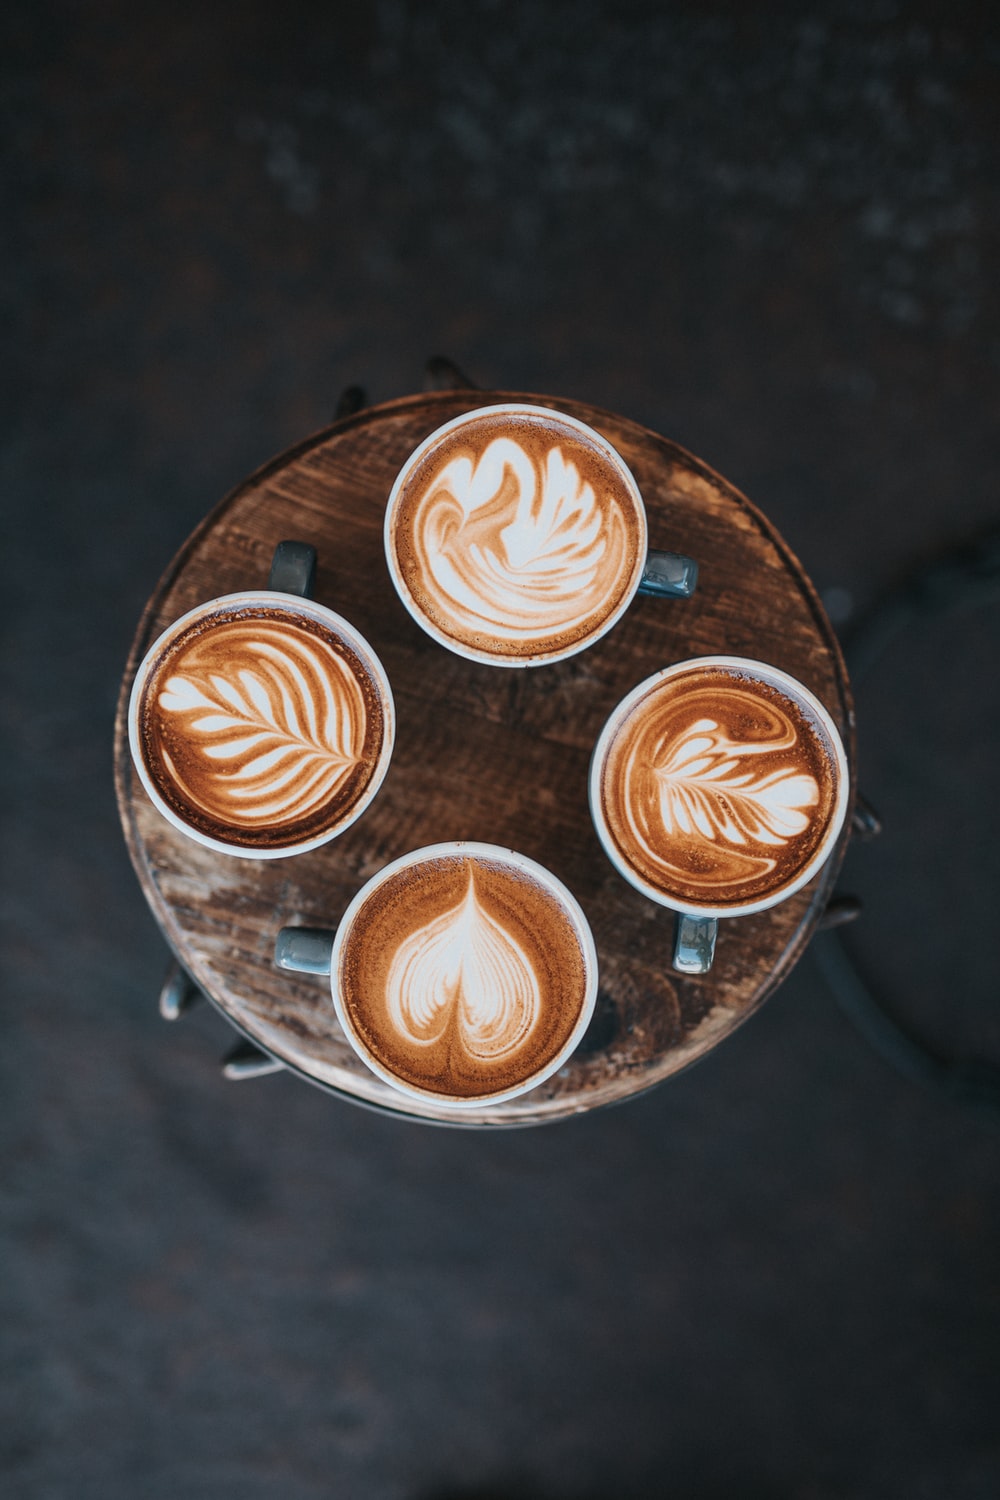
273	739
518	536
464	972
703	789
716	789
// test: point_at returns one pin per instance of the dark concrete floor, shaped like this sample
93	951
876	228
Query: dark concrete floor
770	232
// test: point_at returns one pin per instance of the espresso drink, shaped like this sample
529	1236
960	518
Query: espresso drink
717	788
463	975
261	726
516	535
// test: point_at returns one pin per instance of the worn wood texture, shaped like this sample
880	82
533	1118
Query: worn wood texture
484	753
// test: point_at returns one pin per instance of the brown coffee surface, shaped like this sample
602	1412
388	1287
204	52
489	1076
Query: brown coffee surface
516	535
717	788
463	976
261	726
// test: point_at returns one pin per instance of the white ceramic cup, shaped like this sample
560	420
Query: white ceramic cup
325	951
536	591
249	713
714	771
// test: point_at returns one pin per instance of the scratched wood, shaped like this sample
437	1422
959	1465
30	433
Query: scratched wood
484	753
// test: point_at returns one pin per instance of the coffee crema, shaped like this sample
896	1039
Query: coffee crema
261	726
462	976
516	534
717	789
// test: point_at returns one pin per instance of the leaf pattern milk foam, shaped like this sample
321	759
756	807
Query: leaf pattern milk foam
717	788
261	726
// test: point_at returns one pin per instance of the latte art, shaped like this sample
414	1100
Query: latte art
462	975
715	788
278	737
704	787
465	972
514	548
516	535
262	726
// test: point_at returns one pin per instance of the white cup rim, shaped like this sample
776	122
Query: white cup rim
798	692
294	604
515	408
501	855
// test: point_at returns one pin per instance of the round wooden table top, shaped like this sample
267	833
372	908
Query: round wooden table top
484	753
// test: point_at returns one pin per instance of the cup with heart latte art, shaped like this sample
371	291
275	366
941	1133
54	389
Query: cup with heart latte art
261	724
463	974
516	535
718	787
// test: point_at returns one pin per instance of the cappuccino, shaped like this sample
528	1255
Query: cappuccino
465	973
515	535
719	786
261	725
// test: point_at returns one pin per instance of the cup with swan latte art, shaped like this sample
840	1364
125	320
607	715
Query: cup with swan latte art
718	788
463	974
516	535
261	723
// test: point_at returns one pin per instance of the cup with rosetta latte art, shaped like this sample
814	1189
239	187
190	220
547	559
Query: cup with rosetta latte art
718	787
261	723
516	535
463	974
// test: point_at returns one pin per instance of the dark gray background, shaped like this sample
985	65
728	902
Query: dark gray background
769	232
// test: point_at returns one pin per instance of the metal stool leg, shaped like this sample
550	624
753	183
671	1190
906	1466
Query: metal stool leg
179	993
247	1060
442	374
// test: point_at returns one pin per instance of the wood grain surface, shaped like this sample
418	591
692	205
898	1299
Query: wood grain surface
484	753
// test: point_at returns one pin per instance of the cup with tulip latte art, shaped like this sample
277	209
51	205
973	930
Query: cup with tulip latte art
516	535
718	787
463	974
261	724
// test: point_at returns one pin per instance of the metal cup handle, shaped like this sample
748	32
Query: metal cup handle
293	569
304	950
669	575
694	943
